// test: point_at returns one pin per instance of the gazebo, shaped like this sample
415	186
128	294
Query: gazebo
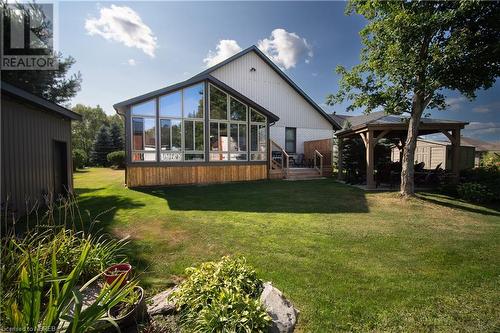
378	125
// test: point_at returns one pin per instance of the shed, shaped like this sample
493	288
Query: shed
35	149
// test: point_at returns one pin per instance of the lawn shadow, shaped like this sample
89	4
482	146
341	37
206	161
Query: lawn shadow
439	199
278	196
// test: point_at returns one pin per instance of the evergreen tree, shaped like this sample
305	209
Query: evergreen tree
116	137
102	147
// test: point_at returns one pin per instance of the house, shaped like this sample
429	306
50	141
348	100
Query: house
438	153
224	124
481	148
36	149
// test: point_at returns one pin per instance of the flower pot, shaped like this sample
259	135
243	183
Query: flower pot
116	272
131	317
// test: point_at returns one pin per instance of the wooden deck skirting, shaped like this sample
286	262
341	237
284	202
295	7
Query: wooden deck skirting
197	174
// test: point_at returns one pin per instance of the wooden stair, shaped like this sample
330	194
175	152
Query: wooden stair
303	173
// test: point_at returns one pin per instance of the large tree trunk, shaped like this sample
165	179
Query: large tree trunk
407	165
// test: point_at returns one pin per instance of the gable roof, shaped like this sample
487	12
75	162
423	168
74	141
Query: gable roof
13	91
480	144
122	106
205	73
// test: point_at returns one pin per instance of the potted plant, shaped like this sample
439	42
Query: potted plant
130	310
117	271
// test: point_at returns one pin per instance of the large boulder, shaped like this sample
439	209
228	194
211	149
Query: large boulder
283	314
160	304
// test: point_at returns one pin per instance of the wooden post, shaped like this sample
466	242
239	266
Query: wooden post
456	153
370	181
339	159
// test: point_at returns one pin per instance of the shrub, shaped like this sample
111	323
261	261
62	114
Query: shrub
117	159
491	159
474	192
79	158
221	297
488	176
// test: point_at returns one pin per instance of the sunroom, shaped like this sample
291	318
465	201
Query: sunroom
199	131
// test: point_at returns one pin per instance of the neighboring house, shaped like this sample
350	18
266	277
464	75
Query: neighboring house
438	153
481	147
36	149
214	127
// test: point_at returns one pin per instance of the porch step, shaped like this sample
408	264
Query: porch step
303	173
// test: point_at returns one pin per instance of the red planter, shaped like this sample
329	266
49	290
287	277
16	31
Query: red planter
116	272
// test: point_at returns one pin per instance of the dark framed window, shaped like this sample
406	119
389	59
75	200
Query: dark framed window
290	139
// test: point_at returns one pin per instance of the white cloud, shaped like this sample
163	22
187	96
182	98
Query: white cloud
132	62
285	48
485	108
225	49
477	129
123	25
456	103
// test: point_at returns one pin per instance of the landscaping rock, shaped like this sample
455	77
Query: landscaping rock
159	305
283	314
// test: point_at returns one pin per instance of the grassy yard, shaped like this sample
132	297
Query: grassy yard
349	260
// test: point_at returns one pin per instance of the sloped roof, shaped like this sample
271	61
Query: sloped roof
206	74
381	118
39	101
480	144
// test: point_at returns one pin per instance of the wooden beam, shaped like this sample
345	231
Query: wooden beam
449	135
456	154
381	135
364	138
340	144
369	144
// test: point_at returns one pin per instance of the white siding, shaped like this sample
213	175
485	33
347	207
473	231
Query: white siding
268	89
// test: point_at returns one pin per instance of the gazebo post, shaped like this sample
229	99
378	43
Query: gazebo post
456	153
369	143
340	143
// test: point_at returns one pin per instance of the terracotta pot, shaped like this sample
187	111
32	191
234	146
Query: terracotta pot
124	270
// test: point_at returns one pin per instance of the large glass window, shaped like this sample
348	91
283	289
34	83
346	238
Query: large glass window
290	139
228	129
258	136
144	131
182	139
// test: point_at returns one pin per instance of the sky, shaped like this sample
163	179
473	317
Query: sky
124	49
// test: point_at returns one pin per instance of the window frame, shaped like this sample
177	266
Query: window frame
258	124
143	117
294	140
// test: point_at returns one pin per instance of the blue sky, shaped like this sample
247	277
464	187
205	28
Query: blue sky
171	41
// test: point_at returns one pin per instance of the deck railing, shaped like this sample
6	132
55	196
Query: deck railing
317	155
279	159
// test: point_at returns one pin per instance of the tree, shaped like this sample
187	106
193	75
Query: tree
102	147
412	51
116	132
84	132
54	85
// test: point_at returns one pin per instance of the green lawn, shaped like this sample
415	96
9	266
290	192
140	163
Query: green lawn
349	260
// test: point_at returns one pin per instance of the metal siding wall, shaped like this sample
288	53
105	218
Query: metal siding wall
27	148
267	88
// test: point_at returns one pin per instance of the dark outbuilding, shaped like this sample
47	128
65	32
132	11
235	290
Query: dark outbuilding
36	150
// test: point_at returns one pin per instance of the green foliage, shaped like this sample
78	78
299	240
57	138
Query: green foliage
116	132
84	131
57	85
79	158
221	297
474	192
486	176
102	147
117	159
491	159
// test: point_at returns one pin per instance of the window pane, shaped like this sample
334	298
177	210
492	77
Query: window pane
214	136
188	135
256	117
238	157
233	144
258	157
194	157
176	134
253	137
165	127
145	109
149	134
223	139
138	133
218	104
243	137
290	134
238	110
198	131
170	105
219	157
148	157
193	101
262	138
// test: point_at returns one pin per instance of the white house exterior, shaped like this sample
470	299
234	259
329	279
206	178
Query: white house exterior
262	82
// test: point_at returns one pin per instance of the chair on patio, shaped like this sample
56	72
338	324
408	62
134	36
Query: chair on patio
299	161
